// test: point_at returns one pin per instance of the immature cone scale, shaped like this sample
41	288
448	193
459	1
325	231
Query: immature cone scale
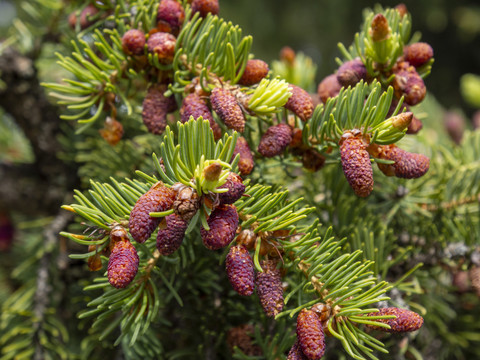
240	270
223	223
310	335
356	165
275	140
122	264
405	320
300	103
141	224
269	288
225	105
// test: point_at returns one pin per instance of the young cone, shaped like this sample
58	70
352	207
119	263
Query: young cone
275	140
296	353
405	320
141	224
205	6
255	71
155	109
246	163
351	72
240	270
133	42
163	45
223	223
356	165
300	103
225	105
170	238
170	16
310	334
269	288
418	53
122	264
328	88
407	165
194	105
235	187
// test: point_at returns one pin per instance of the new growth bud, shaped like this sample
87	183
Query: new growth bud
379	29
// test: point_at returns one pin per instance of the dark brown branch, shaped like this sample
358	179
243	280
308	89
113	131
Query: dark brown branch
37	187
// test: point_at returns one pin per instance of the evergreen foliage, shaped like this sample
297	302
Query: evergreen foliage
410	244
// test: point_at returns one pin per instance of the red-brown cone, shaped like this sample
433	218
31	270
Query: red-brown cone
158	198
356	165
296	353
409	84
225	105
246	162
312	160
300	103
170	16
86	17
170	238
122	264
405	320
310	334
194	105
407	165
155	109
329	88
235	187
418	53
205	6
255	71
133	42
223	223
242	337
240	270
269	288
275	140
162	44
351	72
